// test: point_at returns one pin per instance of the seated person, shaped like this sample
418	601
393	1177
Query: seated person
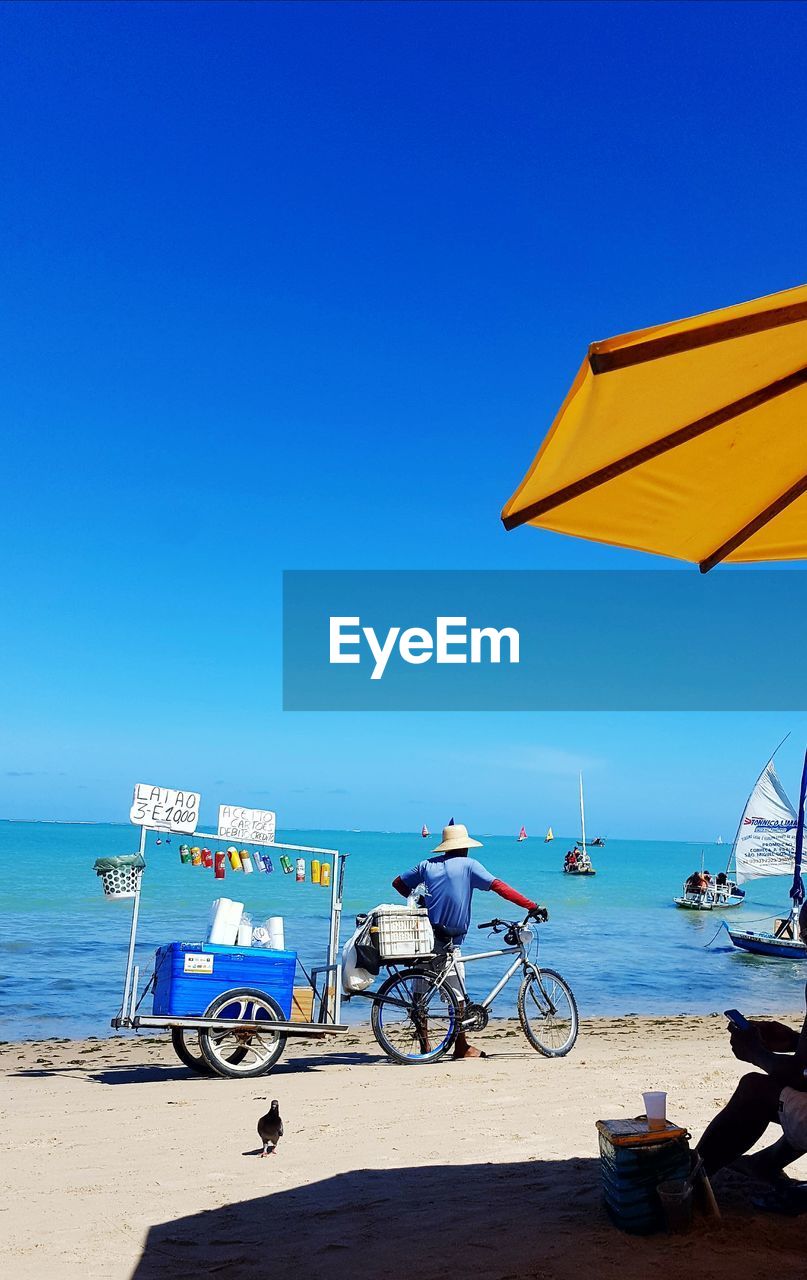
774	1094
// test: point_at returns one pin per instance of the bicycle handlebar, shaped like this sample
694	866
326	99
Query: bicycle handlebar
539	915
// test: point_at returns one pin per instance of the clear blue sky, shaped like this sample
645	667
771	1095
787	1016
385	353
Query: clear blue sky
302	285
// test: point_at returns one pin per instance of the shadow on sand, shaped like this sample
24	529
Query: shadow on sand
155	1072
489	1221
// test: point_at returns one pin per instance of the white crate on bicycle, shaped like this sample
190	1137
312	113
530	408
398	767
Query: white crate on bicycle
403	933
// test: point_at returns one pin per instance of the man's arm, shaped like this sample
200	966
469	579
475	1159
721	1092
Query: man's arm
513	895
400	887
787	1068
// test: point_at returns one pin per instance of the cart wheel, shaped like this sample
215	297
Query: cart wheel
186	1047
242	1054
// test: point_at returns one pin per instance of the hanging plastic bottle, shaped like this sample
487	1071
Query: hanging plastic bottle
325	874
300	870
235	860
246	861
315	870
219	865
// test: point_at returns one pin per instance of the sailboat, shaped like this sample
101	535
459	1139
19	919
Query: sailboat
522	835
577	862
549	836
425	832
770	842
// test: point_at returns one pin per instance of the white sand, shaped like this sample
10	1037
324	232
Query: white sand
120	1163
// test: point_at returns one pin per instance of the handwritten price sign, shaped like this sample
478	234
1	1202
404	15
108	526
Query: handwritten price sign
251	826
164	809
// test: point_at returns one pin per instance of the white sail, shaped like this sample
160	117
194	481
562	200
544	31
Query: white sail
765	844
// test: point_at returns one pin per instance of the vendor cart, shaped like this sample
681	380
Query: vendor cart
243	1031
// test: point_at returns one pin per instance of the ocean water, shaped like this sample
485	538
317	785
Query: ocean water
616	937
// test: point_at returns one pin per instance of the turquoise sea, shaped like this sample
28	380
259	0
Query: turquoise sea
616	937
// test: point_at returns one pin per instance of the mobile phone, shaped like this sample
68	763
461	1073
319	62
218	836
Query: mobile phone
737	1020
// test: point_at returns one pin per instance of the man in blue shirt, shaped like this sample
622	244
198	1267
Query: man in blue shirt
449	882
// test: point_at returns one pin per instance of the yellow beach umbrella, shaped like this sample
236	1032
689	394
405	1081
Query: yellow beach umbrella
688	440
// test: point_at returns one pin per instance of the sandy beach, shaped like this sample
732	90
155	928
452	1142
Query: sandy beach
118	1163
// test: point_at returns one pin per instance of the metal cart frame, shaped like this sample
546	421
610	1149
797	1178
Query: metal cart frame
327	1000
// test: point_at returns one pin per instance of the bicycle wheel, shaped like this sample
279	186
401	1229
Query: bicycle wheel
548	1013
412	1019
185	1042
222	1046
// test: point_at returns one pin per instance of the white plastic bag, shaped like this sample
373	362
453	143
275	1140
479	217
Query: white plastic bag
354	978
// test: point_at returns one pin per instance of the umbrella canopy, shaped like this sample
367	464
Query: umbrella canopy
688	439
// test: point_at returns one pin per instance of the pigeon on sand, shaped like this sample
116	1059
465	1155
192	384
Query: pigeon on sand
270	1129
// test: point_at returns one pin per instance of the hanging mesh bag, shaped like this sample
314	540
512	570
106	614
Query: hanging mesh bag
120	877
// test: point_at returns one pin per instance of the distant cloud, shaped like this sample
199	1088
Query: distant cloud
337	791
23	773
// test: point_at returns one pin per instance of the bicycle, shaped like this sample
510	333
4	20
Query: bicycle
425	1006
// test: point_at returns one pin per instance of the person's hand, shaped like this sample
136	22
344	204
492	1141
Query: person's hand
776	1037
539	913
745	1044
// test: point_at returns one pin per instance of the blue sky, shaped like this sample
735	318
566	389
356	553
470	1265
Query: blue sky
301	286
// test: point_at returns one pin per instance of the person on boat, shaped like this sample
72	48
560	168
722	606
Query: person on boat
774	1094
449	880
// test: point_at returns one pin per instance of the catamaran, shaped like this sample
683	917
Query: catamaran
704	892
577	861
522	835
770	842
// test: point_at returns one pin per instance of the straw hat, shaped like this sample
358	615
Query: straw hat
456	837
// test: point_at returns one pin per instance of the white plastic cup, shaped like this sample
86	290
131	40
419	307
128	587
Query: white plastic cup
655	1107
225	917
277	940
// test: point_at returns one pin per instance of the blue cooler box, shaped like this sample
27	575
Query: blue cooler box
187	983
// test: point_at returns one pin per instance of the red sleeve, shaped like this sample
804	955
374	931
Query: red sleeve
512	895
401	887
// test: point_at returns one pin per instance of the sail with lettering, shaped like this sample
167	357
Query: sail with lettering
765	844
785	941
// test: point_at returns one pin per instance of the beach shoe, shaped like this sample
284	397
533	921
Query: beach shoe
787	1197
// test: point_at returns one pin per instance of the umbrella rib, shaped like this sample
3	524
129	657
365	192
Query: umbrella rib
753	526
671	344
654	450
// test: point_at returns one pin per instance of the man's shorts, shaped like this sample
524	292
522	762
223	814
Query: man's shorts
793	1117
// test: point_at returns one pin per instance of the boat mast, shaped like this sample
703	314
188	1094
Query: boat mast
582	815
797	888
